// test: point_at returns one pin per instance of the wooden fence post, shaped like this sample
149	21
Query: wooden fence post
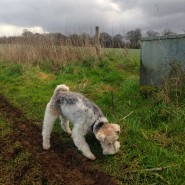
97	44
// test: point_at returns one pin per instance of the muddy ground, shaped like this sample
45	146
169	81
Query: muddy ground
60	165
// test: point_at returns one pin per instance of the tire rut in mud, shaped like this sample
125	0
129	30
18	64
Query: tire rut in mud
60	165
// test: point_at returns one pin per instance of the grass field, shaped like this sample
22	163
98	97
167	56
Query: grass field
152	139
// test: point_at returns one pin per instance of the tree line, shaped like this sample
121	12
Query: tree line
132	39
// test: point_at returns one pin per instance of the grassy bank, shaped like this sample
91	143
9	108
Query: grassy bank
152	140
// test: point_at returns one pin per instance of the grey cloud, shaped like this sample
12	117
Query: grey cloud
157	14
71	15
52	14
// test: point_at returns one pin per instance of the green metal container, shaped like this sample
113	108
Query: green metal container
158	54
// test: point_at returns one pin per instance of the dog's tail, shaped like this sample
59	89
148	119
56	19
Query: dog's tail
61	88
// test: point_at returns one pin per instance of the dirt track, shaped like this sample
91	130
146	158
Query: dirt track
60	165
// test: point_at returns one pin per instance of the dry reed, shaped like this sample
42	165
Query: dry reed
37	50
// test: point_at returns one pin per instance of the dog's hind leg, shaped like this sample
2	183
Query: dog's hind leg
49	119
80	142
65	124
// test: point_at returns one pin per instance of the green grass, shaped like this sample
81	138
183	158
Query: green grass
152	139
14	161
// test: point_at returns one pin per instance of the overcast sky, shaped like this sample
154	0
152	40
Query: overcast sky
73	16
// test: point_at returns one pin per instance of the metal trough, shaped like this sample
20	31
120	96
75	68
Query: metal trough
157	55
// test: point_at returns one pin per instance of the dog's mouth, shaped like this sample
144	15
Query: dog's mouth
111	149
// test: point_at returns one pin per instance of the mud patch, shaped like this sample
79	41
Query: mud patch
32	165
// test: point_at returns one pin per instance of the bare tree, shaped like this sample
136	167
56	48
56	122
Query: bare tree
118	41
168	31
27	33
151	33
134	36
105	40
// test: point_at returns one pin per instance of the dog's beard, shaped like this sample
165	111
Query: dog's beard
110	149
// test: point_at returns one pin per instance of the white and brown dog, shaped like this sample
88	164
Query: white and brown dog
85	116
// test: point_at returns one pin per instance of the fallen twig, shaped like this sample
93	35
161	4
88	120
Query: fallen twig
145	170
125	116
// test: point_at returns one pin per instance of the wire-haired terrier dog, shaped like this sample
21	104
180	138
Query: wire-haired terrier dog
85	116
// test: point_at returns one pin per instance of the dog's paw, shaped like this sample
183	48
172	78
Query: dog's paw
91	157
46	146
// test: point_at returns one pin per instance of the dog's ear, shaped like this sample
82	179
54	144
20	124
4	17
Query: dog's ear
117	128
100	136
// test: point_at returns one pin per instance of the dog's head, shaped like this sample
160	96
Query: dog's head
108	135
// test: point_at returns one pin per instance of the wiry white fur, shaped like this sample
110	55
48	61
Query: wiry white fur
80	111
61	87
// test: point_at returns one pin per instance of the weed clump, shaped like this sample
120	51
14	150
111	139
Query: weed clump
174	84
103	63
50	66
89	61
15	69
147	91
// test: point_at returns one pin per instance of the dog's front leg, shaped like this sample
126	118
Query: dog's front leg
80	142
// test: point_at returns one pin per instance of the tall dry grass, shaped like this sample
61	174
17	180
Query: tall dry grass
35	51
